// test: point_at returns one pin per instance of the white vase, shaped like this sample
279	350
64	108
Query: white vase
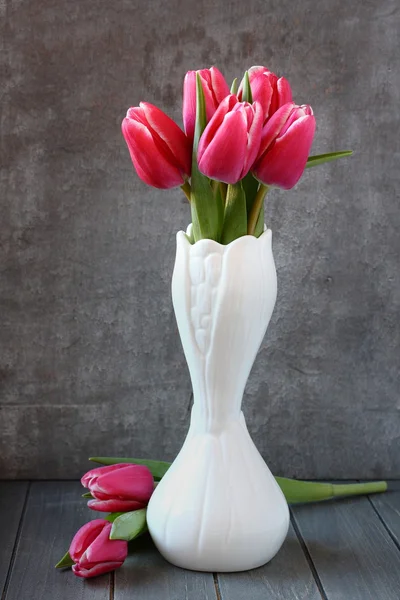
219	508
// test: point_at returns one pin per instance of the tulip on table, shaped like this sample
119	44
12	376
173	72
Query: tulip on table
93	553
119	488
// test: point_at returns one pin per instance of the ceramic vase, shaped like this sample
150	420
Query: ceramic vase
219	508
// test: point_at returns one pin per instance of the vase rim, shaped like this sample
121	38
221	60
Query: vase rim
183	236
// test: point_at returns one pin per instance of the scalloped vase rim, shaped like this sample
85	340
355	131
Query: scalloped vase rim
184	235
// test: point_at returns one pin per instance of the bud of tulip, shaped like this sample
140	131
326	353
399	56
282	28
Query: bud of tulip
93	552
285	145
215	90
230	142
267	89
160	151
119	488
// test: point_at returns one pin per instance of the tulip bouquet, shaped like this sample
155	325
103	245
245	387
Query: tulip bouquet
238	143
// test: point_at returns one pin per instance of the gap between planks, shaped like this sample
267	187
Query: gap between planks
16	542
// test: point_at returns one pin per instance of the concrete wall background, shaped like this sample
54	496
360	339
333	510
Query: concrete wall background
90	359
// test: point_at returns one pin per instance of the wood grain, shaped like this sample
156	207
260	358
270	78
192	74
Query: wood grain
12	498
287	577
147	576
352	552
388	507
54	512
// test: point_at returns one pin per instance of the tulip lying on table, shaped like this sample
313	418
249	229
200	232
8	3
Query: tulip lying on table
119	487
93	553
293	489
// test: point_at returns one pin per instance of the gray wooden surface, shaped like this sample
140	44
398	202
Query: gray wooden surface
90	360
342	550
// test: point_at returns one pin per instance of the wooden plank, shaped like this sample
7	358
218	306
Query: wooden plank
147	576
54	512
388	507
287	577
352	551
12	498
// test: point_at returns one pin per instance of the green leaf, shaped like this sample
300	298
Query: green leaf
206	214
158	468
234	86
320	159
65	562
112	516
87	495
235	216
129	525
247	96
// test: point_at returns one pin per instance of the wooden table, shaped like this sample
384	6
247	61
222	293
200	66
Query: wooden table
342	550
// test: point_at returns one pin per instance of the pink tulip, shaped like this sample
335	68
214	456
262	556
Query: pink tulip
285	145
119	488
215	90
160	151
267	89
93	552
230	142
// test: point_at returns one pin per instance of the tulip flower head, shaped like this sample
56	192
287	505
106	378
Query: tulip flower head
285	145
267	89
93	552
160	151
215	89
231	140
119	488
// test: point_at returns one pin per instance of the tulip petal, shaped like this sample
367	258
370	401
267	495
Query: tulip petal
84	537
96	570
223	158
215	89
102	549
129	482
284	91
273	127
151	166
261	90
115	505
226	105
177	144
285	162
94	473
218	84
189	103
253	138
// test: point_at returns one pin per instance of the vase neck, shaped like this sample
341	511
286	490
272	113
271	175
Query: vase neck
223	299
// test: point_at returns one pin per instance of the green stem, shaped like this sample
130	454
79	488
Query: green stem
356	489
256	207
223	189
187	190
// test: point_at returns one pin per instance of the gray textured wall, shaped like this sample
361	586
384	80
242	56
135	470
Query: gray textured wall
90	358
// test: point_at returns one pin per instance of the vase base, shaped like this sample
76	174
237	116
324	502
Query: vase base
218	565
